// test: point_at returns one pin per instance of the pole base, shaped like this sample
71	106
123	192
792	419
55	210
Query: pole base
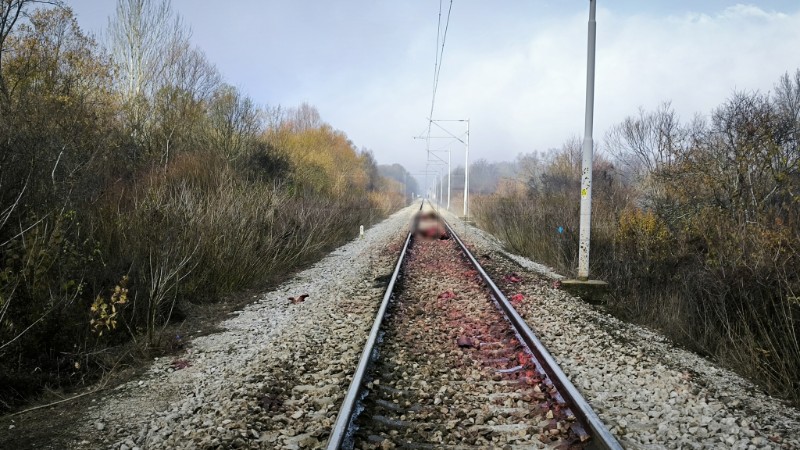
590	291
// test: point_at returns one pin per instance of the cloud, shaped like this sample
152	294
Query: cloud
524	94
516	69
740	11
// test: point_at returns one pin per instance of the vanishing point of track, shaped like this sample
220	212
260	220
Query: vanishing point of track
449	363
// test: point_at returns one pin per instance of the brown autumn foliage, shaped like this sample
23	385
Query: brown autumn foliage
696	226
120	207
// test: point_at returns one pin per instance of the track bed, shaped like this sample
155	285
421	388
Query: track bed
449	371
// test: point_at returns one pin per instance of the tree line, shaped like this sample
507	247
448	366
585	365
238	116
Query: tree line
135	182
696	225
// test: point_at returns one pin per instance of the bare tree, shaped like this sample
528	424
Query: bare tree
142	36
787	105
529	169
648	142
741	154
188	70
303	118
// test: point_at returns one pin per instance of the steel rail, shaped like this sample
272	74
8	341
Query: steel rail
348	409
601	437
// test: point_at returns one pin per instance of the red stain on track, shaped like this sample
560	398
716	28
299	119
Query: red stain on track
447	295
486	337
513	278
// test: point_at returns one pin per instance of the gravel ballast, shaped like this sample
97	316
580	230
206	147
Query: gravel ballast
451	372
275	377
650	393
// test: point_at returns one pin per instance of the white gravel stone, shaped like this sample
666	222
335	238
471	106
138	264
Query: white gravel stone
649	392
276	375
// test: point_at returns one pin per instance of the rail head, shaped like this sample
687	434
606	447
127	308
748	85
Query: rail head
601	436
347	412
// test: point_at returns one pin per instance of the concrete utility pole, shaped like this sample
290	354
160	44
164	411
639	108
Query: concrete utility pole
405	186
466	177
434	159
589	290
449	172
458	138
441	187
588	148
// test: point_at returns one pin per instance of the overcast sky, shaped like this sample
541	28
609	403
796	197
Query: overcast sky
515	68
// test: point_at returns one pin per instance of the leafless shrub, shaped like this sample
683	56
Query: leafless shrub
697	231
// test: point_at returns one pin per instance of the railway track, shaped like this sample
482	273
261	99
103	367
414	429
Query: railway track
450	364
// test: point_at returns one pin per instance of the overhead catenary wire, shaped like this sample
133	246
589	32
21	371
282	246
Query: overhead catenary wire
441	53
436	61
441	37
442	28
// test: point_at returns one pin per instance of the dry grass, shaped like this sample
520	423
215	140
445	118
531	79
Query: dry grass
737	307
197	235
193	235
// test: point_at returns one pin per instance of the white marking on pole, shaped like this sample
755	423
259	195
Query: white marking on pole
588	148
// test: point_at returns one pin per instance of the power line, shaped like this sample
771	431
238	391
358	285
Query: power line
433	158
441	53
436	62
437	67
